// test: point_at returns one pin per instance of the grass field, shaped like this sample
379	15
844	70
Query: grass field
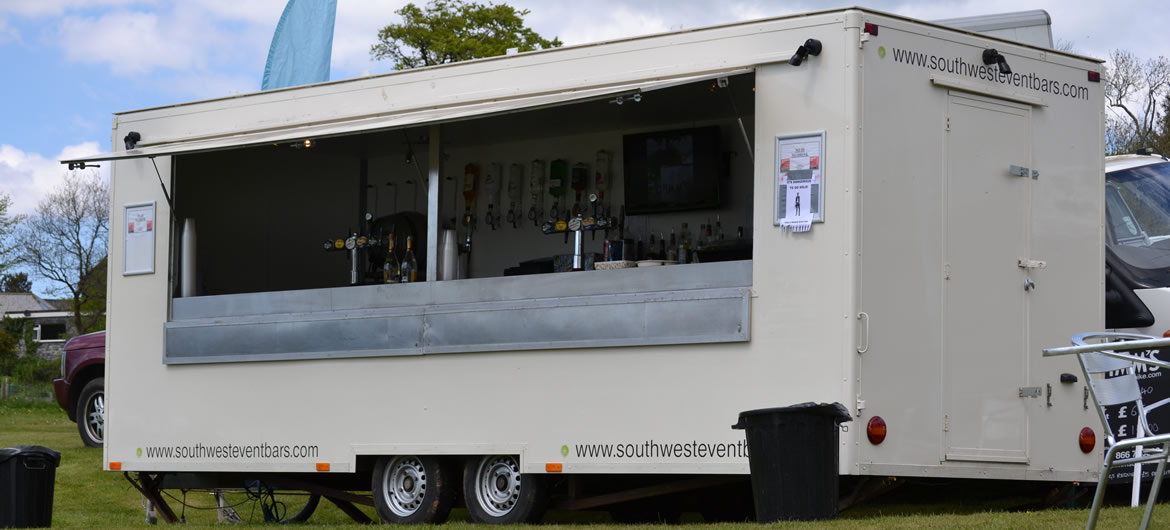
88	497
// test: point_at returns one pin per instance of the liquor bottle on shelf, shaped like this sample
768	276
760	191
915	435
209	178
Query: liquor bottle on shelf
684	244
602	174
515	192
672	250
536	192
652	249
661	246
470	175
391	270
491	190
409	265
579	181
558	173
718	229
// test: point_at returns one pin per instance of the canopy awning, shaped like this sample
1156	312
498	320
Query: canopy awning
397	120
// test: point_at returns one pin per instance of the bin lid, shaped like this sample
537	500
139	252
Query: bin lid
835	410
30	451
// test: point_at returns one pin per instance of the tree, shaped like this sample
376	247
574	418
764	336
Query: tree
446	31
17	282
8	224
1133	91
66	240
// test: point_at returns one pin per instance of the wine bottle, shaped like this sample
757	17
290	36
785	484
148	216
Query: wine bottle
391	270
409	265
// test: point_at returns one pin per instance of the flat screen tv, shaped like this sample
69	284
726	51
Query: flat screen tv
670	171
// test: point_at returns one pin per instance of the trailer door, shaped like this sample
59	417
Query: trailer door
985	314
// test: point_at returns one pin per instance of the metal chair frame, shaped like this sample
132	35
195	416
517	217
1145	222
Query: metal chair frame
1110	369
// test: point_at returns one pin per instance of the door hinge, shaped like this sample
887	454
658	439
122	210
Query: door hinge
1031	263
948	123
1030	391
860	405
946	423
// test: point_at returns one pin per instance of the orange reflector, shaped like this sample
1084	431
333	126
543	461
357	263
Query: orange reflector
1087	440
322	466
1166	334
553	468
876	430
115	466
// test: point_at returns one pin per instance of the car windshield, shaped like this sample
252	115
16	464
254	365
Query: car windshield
1137	210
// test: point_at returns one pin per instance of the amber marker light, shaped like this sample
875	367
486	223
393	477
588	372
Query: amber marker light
553	468
115	466
322	466
875	430
1087	440
1166	334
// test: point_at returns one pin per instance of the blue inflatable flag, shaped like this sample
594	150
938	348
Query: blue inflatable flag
301	45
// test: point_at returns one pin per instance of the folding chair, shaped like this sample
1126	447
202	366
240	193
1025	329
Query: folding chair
1110	369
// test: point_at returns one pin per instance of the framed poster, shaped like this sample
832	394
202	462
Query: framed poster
138	239
800	172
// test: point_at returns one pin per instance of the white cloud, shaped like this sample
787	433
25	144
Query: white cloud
41	8
27	177
130	43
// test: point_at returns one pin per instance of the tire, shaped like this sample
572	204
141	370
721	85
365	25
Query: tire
495	491
91	412
412	489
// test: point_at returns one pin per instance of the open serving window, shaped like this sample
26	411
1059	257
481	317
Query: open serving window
604	217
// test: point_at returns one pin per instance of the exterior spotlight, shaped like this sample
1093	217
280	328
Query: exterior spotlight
990	56
810	47
132	140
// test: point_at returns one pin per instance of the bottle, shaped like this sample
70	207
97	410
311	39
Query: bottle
672	250
684	244
702	236
718	229
470	175
391	270
409	265
558	173
661	246
739	233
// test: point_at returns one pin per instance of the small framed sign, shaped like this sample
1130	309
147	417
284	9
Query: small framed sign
800	178
138	239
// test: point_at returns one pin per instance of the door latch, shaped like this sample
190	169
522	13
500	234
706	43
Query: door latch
1031	264
1030	391
1020	171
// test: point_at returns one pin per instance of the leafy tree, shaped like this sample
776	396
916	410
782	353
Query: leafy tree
447	31
17	282
66	240
1133	90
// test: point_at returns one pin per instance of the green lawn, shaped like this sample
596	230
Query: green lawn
88	497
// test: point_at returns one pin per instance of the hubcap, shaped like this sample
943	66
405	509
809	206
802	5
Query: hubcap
404	484
95	417
497	485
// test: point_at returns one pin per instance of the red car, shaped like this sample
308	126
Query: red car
81	390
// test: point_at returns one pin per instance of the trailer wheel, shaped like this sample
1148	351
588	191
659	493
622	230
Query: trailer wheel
412	490
497	493
91	412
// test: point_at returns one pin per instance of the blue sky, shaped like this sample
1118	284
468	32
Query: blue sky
68	65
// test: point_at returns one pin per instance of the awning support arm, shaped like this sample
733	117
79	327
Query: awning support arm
163	186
